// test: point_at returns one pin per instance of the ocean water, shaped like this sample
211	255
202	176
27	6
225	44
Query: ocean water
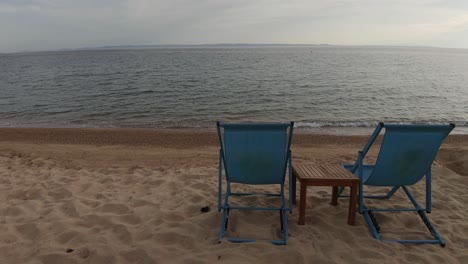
192	87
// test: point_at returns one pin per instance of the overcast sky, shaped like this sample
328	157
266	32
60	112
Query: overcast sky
56	24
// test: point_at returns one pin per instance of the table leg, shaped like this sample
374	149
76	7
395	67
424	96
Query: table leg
302	203
334	200
294	187
352	205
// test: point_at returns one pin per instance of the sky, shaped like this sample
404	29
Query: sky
29	25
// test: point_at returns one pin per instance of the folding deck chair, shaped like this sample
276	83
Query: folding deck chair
405	157
254	154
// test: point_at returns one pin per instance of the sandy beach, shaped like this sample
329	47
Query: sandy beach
134	196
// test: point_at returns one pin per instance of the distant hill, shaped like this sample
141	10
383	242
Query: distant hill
201	45
219	45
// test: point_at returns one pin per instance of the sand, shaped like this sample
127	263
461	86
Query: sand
134	196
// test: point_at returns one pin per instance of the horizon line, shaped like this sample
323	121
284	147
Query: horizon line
123	47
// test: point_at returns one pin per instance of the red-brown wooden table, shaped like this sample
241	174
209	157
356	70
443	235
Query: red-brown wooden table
324	175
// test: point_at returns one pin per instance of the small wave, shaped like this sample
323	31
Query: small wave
138	93
335	124
104	83
367	124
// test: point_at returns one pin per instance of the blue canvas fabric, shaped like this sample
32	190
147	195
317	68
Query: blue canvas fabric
254	154
406	153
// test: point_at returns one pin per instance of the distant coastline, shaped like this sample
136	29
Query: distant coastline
223	45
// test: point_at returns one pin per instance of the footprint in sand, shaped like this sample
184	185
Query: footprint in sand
122	233
57	259
115	208
13	211
28	194
69	209
153	182
370	254
200	186
29	231
90	203
130	219
93	220
289	256
196	198
68	236
140	203
60	194
139	256
176	238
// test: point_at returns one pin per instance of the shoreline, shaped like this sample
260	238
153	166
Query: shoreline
328	130
169	138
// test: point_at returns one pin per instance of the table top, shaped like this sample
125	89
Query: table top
333	172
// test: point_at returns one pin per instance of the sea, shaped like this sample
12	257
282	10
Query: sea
317	86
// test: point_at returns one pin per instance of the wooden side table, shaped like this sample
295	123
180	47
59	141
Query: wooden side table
324	175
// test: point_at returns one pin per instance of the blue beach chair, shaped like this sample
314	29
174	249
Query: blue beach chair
405	157
254	154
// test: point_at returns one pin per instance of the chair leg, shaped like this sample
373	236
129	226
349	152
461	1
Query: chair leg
220	180
302	204
294	184
352	205
374	227
372	224
334	200
430	227
428	191
224	224
360	199
392	192
291	188
225	220
284	228
225	217
281	220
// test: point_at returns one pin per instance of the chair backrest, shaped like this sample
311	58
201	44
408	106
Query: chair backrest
255	153
406	153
